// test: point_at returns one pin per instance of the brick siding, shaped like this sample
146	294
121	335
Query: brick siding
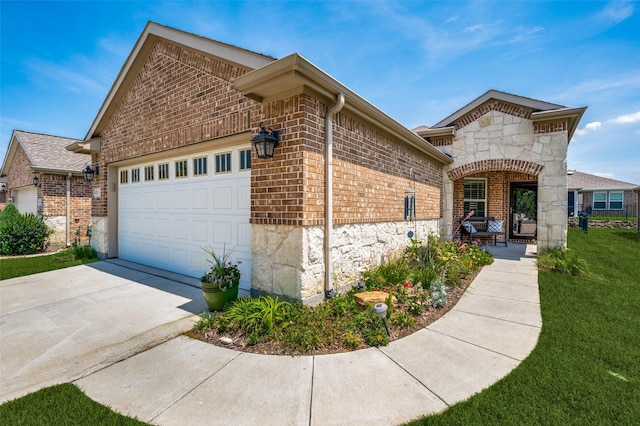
18	174
441	141
52	191
371	171
497	192
182	97
550	126
493	105
505	164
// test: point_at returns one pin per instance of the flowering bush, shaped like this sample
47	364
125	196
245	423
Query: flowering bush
222	271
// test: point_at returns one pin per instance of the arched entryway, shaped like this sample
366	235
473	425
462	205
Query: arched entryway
506	190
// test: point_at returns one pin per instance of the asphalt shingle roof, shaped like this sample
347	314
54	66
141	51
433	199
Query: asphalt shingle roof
48	151
585	181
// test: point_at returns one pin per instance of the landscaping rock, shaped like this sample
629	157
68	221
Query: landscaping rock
370	298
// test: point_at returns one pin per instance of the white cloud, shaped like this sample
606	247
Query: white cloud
594	125
627	118
616	12
621	119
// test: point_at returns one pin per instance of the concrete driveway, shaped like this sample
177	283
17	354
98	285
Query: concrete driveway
62	325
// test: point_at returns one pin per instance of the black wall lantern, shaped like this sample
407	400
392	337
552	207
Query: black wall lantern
265	142
3	187
89	172
36	181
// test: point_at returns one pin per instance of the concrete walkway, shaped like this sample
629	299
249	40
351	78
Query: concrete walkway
182	381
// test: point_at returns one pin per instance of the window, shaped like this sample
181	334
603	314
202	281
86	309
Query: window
163	171
615	200
124	176
200	166
181	168
223	162
245	159
148	173
475	196
599	200
135	175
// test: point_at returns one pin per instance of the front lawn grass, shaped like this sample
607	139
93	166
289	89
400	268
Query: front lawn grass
11	267
586	366
63	404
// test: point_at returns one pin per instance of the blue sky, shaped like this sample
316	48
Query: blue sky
416	61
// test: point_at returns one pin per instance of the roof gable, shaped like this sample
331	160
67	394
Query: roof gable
536	110
45	152
532	104
151	34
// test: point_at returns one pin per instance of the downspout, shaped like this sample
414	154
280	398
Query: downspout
329	293
68	221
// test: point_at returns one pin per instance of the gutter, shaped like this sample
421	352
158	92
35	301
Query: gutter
329	292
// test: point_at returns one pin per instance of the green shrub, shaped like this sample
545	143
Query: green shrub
204	324
257	317
84	252
393	272
402	320
566	261
21	233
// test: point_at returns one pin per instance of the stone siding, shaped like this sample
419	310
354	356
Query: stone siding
614	224
289	260
505	133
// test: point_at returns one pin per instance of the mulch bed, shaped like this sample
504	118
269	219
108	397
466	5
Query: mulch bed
239	342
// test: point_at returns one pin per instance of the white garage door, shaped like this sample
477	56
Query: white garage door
26	199
169	210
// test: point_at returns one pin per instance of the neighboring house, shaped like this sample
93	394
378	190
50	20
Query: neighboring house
178	172
599	196
40	176
509	162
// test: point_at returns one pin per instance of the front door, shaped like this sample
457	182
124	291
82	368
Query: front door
523	210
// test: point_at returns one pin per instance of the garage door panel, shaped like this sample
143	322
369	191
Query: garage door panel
199	230
164	200
222	233
200	199
244	197
166	223
181	229
222	197
181	199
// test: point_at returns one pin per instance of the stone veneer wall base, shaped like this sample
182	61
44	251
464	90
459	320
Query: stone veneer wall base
288	261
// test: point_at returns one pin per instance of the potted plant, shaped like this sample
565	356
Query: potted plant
220	283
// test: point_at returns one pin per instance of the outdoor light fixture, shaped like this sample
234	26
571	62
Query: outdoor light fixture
89	173
380	309
3	187
265	142
36	181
